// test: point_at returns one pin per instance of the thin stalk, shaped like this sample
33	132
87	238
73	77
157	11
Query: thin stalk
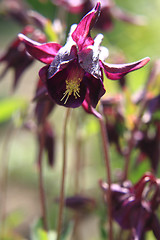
41	184
4	177
61	205
40	164
78	164
108	171
131	140
153	75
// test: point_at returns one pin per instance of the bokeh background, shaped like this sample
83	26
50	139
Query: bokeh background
19	147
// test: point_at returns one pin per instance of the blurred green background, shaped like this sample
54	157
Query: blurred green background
18	146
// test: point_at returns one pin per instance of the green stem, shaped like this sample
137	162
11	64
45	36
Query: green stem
61	205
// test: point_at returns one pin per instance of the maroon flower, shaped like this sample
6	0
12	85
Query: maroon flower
88	107
152	107
114	119
48	136
16	10
16	58
134	206
75	69
44	105
79	203
45	133
148	143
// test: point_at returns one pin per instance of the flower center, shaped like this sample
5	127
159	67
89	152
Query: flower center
72	86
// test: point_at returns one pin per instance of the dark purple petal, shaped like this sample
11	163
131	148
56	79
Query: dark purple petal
117	71
88	108
80	203
23	63
81	35
41	91
140	224
43	74
132	208
67	87
89	58
50	144
155	226
43	108
87	63
42	52
65	55
46	135
16	58
149	147
44	104
96	89
152	105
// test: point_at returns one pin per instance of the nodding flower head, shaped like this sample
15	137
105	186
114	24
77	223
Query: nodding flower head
74	70
134	206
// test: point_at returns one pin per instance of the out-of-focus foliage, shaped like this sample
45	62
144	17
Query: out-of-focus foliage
131	110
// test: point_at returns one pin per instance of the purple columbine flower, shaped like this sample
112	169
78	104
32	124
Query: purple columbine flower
134	206
74	70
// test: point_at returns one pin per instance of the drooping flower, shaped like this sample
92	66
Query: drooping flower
49	142
148	144
16	10
114	119
44	105
20	12
16	57
45	133
134	206
74	70
147	138
80	203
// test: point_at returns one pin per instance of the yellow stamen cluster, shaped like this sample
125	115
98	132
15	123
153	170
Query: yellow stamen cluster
72	86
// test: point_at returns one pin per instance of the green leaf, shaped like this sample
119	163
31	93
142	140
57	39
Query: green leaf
9	107
38	233
13	220
67	233
51	34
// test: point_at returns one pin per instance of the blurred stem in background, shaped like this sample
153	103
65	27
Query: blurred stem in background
41	184
42	137
4	177
131	143
64	166
105	143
